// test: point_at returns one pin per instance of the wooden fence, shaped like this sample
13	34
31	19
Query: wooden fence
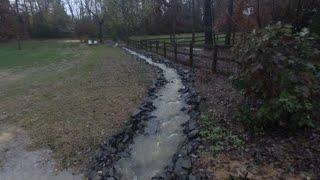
186	51
199	40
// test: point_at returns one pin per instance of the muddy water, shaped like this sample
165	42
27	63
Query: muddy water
17	163
153	150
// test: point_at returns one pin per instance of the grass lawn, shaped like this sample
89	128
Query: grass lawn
69	96
35	52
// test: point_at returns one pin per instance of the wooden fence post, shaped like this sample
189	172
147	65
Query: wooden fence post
165	49
151	46
157	47
191	54
175	51
214	59
147	44
234	37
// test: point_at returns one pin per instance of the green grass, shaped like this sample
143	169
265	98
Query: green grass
35	53
69	104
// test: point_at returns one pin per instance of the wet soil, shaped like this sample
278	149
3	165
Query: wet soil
18	162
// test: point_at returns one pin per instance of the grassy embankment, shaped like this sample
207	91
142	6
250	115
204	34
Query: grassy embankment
68	96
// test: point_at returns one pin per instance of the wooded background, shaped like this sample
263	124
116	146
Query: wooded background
121	18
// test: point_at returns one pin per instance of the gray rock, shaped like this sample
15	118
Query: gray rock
192	125
111	178
192	177
183	177
160	176
111	150
136	114
186	164
125	138
180	167
109	172
193	134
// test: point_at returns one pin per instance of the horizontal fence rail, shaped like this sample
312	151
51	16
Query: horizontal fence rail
187	51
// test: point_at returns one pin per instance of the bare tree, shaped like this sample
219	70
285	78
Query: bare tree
229	23
70	9
273	10
97	9
18	24
258	14
175	8
193	20
208	23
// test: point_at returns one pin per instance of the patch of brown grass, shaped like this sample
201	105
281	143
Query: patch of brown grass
228	166
72	111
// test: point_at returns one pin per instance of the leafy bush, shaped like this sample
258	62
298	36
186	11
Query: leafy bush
315	26
280	78
218	136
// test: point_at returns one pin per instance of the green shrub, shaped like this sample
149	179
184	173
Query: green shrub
218	136
315	26
279	78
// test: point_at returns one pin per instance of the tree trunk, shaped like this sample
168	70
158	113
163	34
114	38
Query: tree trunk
258	15
213	18
298	24
18	24
273	11
174	20
229	23
208	23
19	42
100	32
193	21
71	10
